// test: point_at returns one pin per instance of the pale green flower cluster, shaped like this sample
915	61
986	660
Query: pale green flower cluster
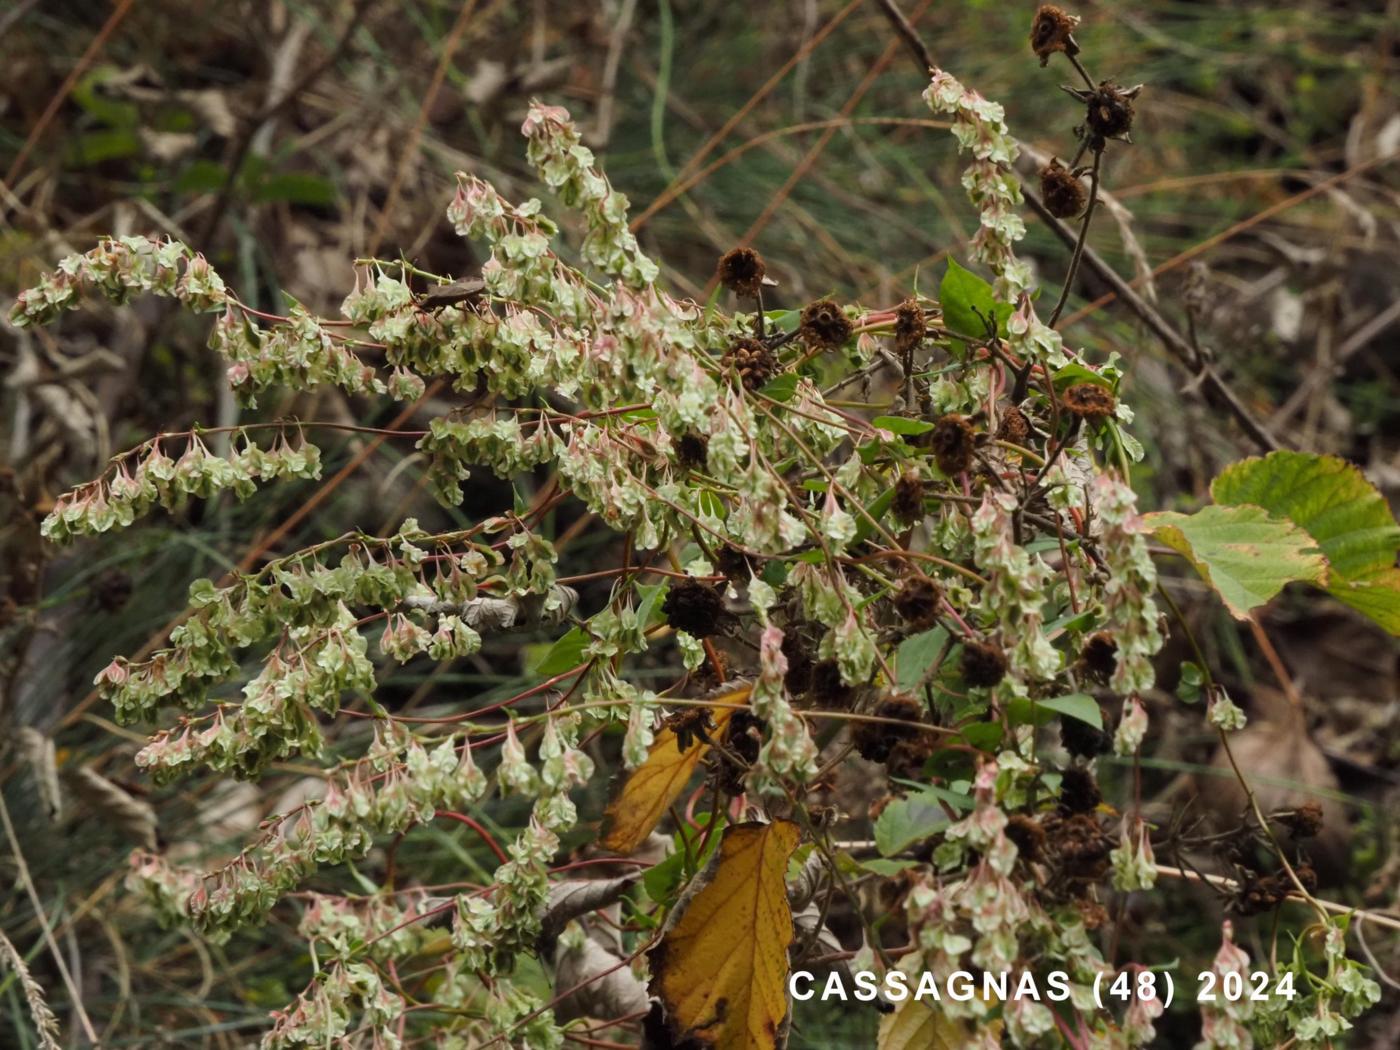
118	269
147	475
1013	599
990	180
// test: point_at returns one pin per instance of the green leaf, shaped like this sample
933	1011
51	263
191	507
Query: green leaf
968	303
875	510
567	652
1243	553
1073	705
1334	503
916	655
781	388
902	424
908	820
887	869
1074	373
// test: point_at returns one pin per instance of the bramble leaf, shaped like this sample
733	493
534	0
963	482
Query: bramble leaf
1345	515
721	970
1242	552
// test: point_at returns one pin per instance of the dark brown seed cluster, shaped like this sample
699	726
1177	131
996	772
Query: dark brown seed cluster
1261	893
909	327
741	270
1303	822
1014	426
1099	656
743	738
877	740
1079	791
1110	113
916	601
1063	194
1051	31
953	441
1079	844
752	362
1027	835
1089	401
908	503
824	326
983	665
692	451
694	607
1081	739
691	726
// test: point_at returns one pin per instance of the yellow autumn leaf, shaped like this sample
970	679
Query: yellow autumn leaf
721	970
654	785
921	1024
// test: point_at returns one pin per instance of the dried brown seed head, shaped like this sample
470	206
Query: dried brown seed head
1303	822
1063	194
1089	401
741	270
1014	427
1027	834
752	362
1099	656
909	327
1110	111
694	607
824	325
916	601
953	441
908	503
1050	32
983	665
876	740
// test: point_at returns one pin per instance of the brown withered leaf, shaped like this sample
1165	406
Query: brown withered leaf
721	969
656	783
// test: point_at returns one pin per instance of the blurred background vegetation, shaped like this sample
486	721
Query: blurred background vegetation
1258	205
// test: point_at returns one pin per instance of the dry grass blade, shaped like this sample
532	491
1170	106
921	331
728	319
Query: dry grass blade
45	1023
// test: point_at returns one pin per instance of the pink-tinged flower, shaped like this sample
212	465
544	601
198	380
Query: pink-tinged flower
543	117
114	675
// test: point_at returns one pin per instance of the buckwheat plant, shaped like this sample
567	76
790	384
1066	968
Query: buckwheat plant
925	580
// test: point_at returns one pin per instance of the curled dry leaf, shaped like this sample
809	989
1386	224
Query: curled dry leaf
606	986
721	969
572	898
656	783
134	817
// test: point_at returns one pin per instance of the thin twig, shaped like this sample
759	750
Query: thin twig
1083	240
